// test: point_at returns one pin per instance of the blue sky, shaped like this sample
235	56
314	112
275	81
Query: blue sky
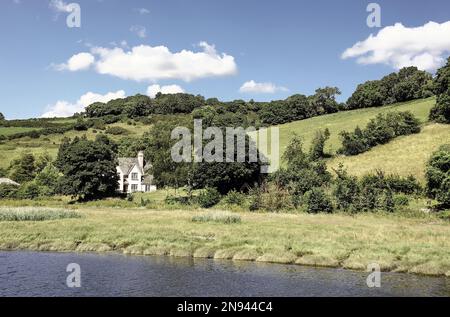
277	47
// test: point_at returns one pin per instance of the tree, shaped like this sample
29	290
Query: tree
317	147
23	169
2	117
438	176
89	168
158	145
324	100
441	111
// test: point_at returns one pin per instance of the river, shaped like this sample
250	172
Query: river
44	274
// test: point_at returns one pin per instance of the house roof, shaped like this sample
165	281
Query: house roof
126	164
8	181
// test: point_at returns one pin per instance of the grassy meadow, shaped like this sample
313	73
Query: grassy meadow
10	150
397	243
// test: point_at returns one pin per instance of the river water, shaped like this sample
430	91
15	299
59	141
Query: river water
44	274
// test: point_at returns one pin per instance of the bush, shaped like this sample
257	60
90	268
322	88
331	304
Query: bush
116	131
28	190
318	201
346	189
208	197
438	176
221	217
379	130
401	200
177	200
234	198
8	191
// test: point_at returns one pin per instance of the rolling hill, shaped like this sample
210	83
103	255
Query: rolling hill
404	156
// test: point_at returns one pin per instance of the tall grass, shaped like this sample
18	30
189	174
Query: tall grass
224	217
35	214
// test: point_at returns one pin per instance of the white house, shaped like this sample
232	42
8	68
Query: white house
134	175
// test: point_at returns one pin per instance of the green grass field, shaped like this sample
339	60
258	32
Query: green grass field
347	120
10	150
397	243
6	131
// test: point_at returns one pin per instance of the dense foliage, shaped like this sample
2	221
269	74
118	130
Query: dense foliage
408	84
438	176
379	130
89	168
441	112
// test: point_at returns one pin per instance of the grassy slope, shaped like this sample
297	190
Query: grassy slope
12	149
6	131
319	240
405	155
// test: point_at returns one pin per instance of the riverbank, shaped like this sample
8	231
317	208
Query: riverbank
396	243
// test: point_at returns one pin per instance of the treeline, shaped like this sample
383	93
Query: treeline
408	84
441	111
379	130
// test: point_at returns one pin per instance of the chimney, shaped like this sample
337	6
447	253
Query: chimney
141	159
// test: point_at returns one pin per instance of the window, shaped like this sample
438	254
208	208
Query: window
134	176
134	188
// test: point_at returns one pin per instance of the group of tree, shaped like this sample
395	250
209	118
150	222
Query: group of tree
37	176
300	107
441	111
408	84
379	130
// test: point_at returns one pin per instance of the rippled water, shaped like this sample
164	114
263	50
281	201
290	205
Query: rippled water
44	274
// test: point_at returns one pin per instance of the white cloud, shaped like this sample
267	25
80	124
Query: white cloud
147	63
261	88
143	11
139	30
399	46
64	108
59	6
81	61
170	89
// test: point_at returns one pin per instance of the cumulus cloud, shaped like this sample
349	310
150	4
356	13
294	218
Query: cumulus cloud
139	30
261	88
398	46
81	61
64	108
169	89
153	63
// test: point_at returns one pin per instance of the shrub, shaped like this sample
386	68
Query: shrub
208	197
28	190
438	176
220	217
175	200
317	147
346	189
318	201
8	191
234	198
116	131
401	200
35	214
379	130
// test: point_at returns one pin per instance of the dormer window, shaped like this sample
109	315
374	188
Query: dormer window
134	176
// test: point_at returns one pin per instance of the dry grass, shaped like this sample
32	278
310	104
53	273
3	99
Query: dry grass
416	245
405	155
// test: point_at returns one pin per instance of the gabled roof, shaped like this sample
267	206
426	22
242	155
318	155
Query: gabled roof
126	164
8	181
